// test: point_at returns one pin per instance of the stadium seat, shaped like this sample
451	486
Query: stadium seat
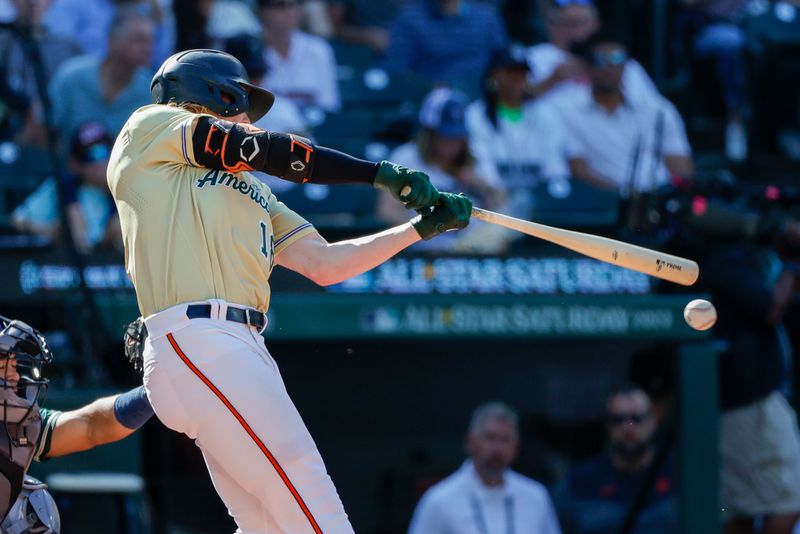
575	204
22	169
337	206
351	56
375	86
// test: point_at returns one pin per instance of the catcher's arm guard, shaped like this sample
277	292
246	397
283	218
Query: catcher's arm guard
135	334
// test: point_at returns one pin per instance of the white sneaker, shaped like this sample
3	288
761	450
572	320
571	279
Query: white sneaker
735	141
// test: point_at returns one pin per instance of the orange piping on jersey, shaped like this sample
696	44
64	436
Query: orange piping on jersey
249	431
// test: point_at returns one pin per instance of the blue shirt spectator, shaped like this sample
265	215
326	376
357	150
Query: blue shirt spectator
106	89
87	22
447	40
89	207
363	21
20	89
594	497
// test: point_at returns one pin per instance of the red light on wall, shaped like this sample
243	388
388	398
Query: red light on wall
699	206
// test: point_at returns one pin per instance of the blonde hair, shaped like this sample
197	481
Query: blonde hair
194	108
425	144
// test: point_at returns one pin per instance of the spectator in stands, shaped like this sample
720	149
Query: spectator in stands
619	141
554	69
89	207
229	18
283	116
519	142
773	38
485	495
445	40
752	288
717	35
22	96
441	150
301	66
88	23
108	88
364	22
594	496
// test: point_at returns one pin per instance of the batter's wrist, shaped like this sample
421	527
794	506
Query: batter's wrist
133	409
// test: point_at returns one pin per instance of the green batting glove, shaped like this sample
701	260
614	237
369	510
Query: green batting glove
394	178
452	212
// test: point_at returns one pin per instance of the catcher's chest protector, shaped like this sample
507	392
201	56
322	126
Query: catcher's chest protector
17	446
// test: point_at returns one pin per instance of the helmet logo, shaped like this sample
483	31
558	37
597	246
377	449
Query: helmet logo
253	152
298	165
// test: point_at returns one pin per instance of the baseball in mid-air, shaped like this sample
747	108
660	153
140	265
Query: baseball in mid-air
700	314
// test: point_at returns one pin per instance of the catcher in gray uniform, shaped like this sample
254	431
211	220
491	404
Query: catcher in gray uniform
29	432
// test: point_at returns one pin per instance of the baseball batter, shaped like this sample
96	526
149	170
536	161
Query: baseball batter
202	236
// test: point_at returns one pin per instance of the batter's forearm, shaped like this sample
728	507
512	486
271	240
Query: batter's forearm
330	263
352	257
235	147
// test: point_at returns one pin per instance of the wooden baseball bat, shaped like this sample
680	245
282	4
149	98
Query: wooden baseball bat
644	260
665	266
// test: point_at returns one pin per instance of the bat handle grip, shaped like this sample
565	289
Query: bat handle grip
406	190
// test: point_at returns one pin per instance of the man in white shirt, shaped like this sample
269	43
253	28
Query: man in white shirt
302	67
518	142
619	141
484	496
555	71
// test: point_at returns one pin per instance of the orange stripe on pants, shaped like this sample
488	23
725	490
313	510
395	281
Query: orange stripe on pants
249	431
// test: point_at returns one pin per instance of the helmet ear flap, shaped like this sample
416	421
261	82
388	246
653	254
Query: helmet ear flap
157	92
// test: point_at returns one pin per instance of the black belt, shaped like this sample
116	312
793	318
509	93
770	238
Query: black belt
248	316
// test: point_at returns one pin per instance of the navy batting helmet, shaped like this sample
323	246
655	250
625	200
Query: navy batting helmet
212	79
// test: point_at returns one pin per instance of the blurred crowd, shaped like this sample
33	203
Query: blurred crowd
548	113
439	85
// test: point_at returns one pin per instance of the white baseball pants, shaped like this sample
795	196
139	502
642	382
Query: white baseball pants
215	381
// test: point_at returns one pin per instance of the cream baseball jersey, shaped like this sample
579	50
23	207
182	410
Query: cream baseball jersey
192	233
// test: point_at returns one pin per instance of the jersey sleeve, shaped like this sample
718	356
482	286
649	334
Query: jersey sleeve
287	225
161	134
49	420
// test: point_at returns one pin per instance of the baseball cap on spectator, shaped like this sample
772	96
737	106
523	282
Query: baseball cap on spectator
443	112
91	143
511	57
249	51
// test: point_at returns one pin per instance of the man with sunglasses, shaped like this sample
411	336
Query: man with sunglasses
554	70
618	140
594	496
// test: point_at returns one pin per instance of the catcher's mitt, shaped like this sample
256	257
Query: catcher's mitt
135	334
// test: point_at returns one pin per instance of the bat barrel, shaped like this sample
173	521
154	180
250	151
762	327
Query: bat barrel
651	262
